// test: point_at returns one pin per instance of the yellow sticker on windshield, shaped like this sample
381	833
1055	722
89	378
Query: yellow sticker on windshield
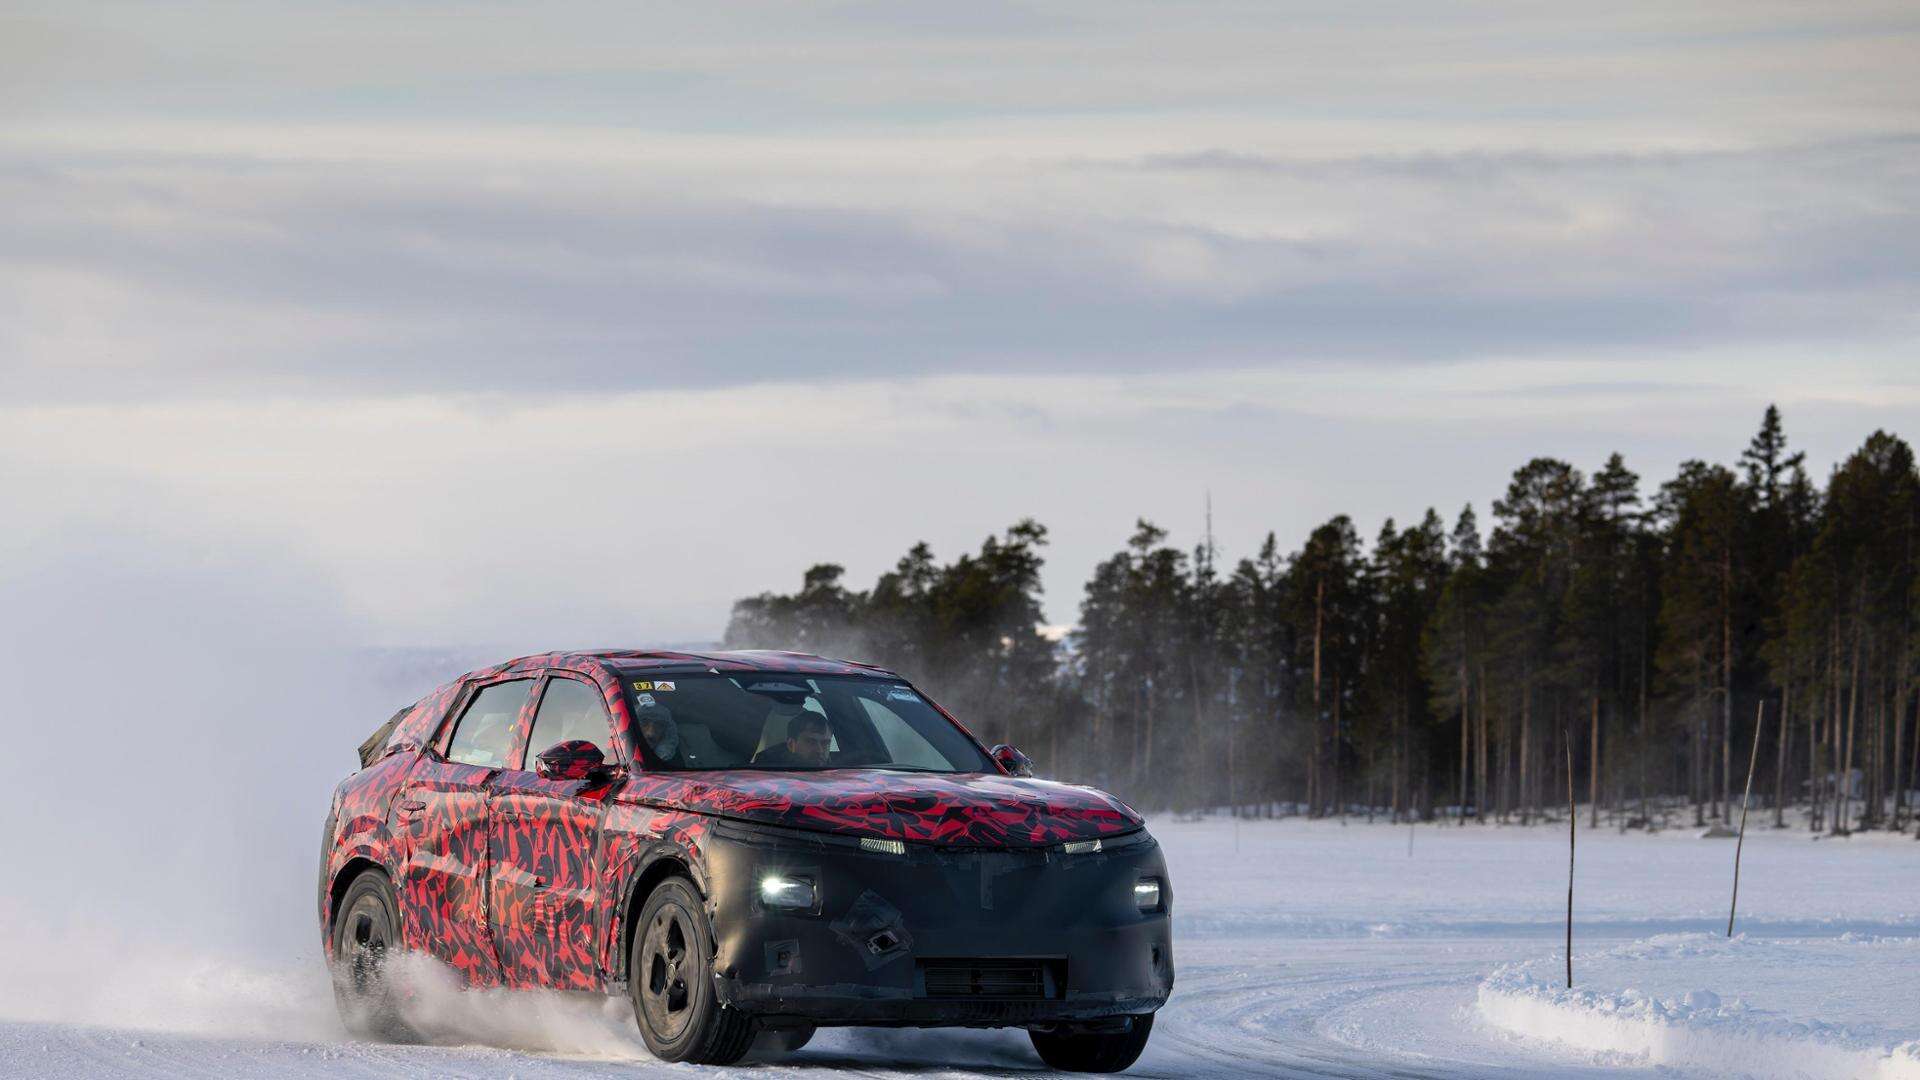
643	686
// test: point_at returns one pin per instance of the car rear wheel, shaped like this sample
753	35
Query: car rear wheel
366	938
1094	1051
670	977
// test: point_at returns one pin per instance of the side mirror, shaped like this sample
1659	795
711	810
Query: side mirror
575	759
1012	761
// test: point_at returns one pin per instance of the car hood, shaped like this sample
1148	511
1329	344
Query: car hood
954	809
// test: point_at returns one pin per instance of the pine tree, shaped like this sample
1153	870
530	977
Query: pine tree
1328	595
1454	651
1532	554
1703	585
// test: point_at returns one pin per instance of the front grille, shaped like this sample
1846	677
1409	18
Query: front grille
992	979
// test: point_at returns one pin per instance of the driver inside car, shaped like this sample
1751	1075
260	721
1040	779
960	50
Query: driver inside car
809	741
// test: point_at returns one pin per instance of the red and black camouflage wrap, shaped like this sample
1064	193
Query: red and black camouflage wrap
956	809
520	880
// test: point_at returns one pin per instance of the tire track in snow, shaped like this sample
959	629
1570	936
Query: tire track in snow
1270	1035
1321	1010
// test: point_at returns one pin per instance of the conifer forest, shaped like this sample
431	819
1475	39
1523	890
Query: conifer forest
1659	641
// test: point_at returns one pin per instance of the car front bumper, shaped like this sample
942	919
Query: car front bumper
938	936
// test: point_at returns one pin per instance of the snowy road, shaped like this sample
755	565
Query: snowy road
1304	950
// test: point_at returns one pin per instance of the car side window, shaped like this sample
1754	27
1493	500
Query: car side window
484	735
569	710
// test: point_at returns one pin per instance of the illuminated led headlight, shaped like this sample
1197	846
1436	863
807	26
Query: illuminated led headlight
1146	894
787	893
1080	847
884	847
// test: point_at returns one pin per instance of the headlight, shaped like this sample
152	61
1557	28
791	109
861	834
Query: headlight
788	893
1146	894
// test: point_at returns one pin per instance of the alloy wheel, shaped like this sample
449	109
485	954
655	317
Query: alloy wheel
667	955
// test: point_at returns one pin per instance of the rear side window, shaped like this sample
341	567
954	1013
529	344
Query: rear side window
568	711
484	735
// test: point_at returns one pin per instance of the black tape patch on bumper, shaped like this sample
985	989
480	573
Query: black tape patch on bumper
874	929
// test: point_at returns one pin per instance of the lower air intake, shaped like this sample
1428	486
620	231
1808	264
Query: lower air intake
992	979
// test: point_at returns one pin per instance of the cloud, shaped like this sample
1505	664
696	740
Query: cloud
135	274
227	199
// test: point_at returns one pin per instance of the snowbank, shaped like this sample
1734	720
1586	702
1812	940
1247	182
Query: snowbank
1627	1018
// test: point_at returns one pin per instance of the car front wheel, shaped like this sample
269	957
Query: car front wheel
670	977
1094	1051
366	938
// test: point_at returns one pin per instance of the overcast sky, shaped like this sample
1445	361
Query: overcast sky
568	325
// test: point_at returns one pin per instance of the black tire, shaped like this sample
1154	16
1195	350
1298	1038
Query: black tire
366	936
670	978
1094	1051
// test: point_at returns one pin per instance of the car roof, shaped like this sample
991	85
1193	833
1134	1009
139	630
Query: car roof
658	660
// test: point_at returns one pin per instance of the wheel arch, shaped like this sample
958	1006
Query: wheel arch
343	880
666	864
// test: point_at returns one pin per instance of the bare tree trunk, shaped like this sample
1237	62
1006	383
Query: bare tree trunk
1481	781
1233	790
1726	683
1646	743
1333	761
1133	698
1699	760
1820	732
1780	751
1841	822
1813	763
1896	717
1466	726
1314	783
1146	741
1759	714
1877	772
1526	726
1573	826
1593	765
1835	727
1913	766
1402	776
1913	770
1370	779
1504	761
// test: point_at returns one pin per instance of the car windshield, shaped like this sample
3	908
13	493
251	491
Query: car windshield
798	722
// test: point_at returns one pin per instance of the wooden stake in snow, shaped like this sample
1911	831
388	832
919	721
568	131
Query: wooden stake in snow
1759	715
1573	823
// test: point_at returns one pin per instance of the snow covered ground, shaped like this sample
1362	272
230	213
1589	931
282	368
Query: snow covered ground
1304	950
1653	1004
